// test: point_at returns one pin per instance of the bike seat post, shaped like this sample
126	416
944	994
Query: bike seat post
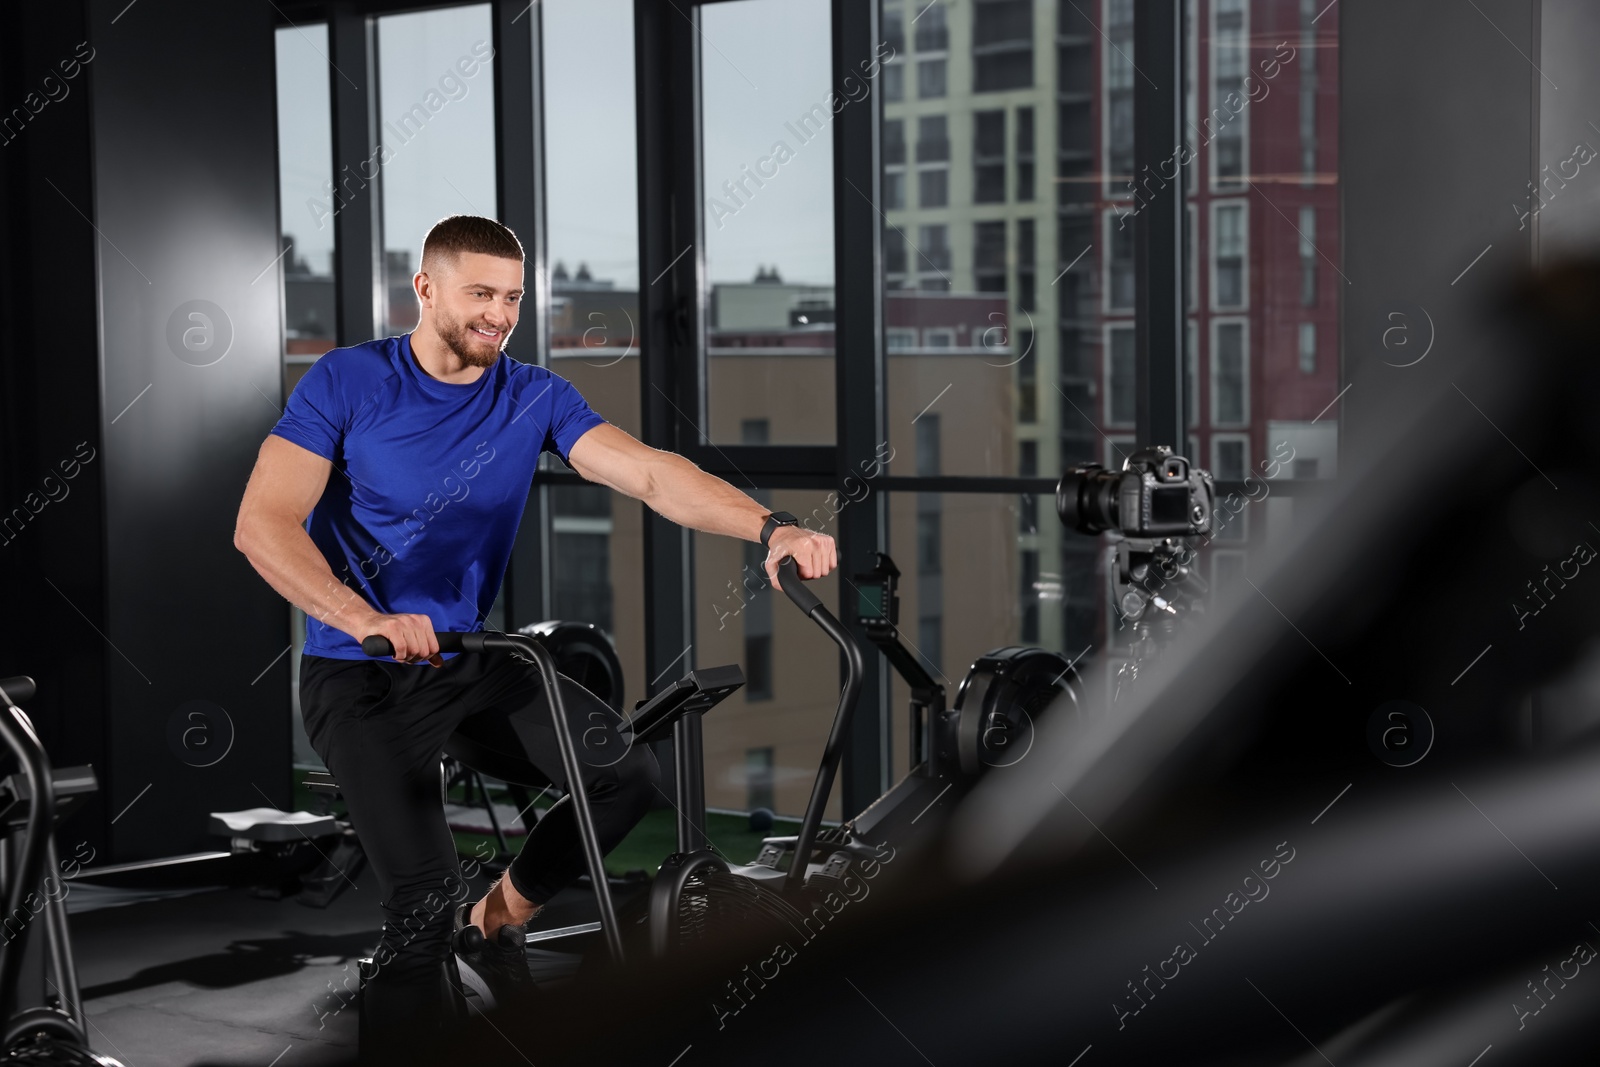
688	758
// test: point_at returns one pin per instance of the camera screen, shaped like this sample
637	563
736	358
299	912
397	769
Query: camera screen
1169	505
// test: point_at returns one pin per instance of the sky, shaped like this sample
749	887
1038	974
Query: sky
764	64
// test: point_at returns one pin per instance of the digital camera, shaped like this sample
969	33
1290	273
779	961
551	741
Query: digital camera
1156	494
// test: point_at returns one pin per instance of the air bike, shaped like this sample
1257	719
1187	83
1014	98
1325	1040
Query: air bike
698	893
33	800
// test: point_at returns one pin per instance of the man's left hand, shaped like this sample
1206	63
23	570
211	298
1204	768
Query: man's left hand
816	554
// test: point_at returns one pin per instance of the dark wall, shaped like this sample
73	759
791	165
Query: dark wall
143	319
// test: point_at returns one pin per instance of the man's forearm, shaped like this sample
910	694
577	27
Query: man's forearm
683	493
284	554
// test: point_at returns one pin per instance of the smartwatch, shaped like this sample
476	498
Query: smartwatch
775	520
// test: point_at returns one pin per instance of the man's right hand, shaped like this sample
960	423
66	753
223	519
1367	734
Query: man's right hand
411	636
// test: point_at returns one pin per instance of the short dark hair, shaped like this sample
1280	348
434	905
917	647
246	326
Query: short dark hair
455	234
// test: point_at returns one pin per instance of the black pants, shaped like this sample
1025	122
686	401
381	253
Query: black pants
380	726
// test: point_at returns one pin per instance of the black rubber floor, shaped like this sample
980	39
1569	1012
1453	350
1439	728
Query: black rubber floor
224	977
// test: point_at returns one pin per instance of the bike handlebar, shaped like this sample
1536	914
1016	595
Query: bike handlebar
18	689
378	645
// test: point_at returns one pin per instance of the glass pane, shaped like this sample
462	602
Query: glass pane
767	108
998	290
791	667
306	206
1264	271
1039	585
437	136
596	539
307	200
593	228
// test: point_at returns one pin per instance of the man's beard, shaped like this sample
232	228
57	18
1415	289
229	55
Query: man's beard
470	347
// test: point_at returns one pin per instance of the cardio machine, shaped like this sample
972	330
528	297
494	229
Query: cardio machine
697	892
33	800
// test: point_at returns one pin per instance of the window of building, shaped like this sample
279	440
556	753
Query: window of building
1191	365
1230	457
1306	56
1308	256
1230	399
894	27
933	186
894	189
1024	154
989	157
1117	60
1119	264
933	247
1120	402
932	33
758	777
894	251
894	142
1229	117
1228	255
1002	45
933	139
930	79
989	246
894	82
900	338
1308	348
937	337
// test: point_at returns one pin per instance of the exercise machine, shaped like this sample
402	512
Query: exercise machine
52	1030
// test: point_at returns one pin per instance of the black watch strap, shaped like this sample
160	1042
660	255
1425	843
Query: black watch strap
775	520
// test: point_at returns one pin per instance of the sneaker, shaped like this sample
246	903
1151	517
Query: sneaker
496	970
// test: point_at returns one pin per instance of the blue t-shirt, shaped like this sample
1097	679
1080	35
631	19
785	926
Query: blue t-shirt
430	479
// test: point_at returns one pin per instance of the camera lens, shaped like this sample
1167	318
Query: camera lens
1086	498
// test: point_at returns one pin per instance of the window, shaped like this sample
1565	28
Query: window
937	337
932	35
894	27
933	140
1308	256
437	140
933	247
930	79
305	163
758	666
1026	277
1117	60
1024	154
930	640
1308	348
989	157
1229	117
1119	265
1002	45
1120	403
933	186
758	778
1230	457
1230	398
1306	56
894	190
900	338
1191	285
894	82
1191	364
894	142
894	251
1228	250
989	246
766	240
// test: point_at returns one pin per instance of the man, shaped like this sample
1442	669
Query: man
413	457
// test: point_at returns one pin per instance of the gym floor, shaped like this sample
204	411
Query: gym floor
216	975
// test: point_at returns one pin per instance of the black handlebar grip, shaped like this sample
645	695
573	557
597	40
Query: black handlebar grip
18	689
379	645
789	575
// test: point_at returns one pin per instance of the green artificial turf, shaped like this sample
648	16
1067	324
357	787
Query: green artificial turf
651	841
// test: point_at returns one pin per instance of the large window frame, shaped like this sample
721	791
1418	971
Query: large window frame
669	46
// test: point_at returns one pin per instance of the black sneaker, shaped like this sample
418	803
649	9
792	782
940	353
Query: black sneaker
496	970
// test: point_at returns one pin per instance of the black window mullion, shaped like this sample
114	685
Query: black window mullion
1158	226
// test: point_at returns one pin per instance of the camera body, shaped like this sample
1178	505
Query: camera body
1156	494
